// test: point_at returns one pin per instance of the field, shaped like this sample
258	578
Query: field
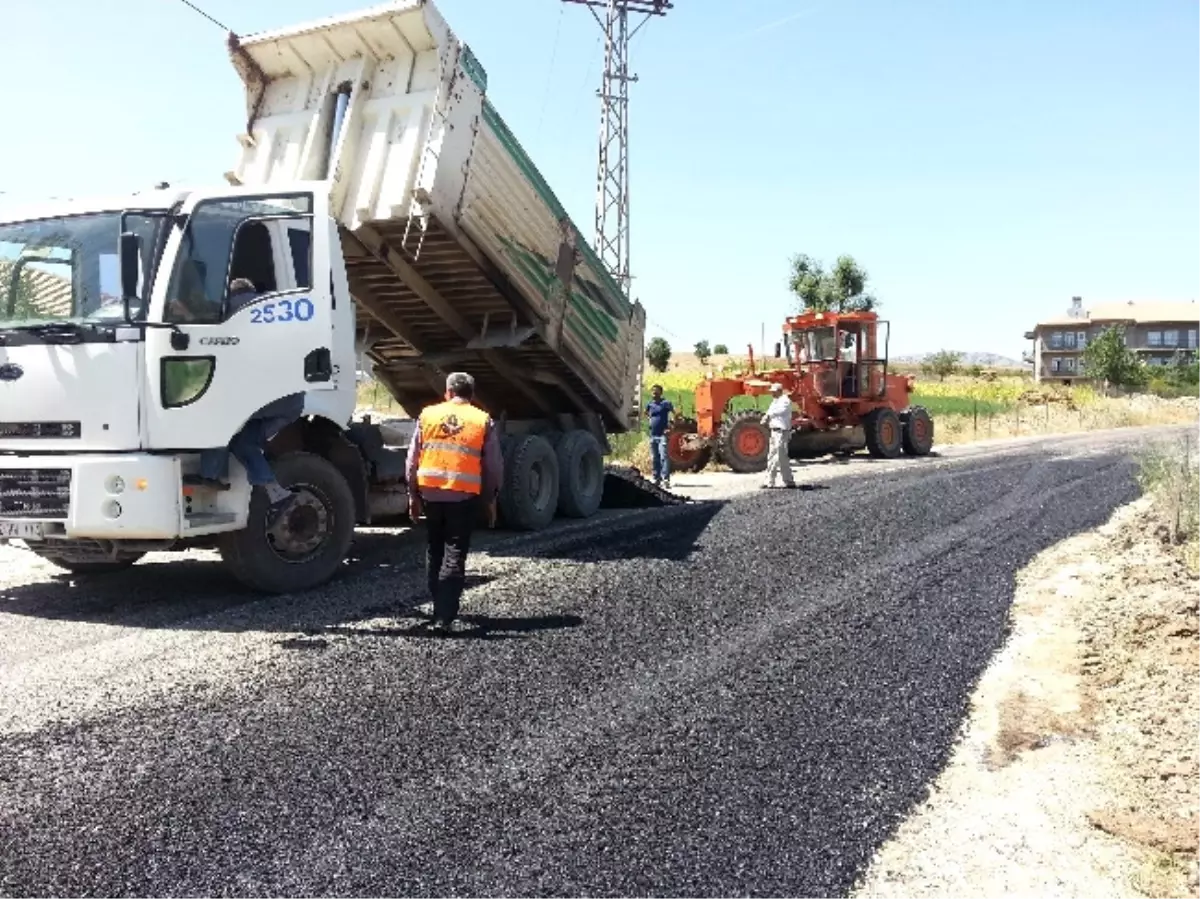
956	396
963	408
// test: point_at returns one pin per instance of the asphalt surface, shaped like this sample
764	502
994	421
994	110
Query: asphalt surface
742	696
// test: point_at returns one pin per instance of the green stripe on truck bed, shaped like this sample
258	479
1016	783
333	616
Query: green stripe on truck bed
611	294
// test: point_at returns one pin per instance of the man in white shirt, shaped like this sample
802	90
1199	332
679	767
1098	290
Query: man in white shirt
849	348
779	419
849	356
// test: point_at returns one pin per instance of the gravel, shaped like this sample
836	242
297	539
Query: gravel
725	698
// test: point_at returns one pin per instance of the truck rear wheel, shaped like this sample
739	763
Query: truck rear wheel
79	566
306	546
580	474
529	496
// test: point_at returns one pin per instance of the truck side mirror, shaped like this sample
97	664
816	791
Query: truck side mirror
130	252
778	350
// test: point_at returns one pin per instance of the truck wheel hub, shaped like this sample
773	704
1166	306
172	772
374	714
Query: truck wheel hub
302	529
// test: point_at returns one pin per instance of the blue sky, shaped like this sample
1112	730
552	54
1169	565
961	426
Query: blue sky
983	161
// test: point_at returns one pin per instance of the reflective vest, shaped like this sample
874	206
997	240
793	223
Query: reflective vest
452	436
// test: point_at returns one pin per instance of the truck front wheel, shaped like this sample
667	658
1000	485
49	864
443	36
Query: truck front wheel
306	546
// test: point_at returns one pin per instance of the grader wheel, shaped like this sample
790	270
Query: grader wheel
743	442
883	432
682	459
918	432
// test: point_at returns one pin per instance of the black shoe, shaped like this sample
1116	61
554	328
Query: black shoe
277	509
790	486
440	627
195	480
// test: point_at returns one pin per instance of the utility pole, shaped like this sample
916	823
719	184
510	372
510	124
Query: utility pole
612	170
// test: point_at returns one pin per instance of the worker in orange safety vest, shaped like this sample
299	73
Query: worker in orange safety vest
454	464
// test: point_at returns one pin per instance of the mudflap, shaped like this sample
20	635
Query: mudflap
625	488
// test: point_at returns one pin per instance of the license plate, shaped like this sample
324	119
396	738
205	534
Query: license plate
25	530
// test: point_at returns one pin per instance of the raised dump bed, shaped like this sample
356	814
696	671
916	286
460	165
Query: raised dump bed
458	253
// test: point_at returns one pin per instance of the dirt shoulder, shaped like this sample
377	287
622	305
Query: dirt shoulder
1077	774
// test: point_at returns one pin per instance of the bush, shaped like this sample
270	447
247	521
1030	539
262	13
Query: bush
721	350
1170	474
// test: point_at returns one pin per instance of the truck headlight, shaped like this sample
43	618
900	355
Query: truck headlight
112	509
115	485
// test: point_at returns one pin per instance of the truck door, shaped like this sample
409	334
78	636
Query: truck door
245	313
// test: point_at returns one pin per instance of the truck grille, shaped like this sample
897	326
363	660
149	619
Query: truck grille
43	493
13	430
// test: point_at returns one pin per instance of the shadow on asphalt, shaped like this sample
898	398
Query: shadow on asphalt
471	627
186	592
181	590
672	536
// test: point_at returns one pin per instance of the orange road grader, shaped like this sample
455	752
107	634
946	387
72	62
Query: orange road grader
843	400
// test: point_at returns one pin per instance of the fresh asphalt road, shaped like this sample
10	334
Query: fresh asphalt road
740	696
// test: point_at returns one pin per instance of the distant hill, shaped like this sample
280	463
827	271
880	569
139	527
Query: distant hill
987	360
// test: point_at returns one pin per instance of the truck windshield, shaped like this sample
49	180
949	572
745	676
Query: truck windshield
68	269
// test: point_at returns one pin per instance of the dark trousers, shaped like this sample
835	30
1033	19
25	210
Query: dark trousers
448	528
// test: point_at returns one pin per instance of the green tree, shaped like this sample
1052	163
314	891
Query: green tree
1106	358
1183	370
702	351
975	370
658	354
721	350
941	363
841	289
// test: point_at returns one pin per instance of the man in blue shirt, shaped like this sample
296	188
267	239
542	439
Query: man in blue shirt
660	412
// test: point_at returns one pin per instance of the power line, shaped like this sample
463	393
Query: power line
663	328
550	74
197	9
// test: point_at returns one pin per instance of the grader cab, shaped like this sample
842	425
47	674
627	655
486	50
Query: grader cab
844	399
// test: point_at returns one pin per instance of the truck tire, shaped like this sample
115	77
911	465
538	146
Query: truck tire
580	474
918	432
743	442
529	496
307	545
882	427
111	566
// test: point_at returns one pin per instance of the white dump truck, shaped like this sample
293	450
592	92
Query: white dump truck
382	212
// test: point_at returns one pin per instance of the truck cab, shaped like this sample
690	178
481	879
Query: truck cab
122	358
